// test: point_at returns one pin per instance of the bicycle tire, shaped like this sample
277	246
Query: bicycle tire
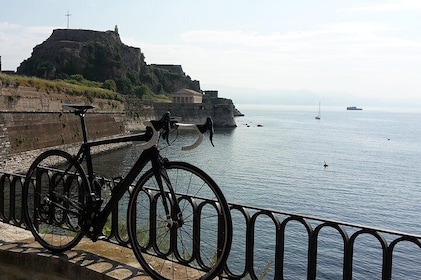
53	199
196	250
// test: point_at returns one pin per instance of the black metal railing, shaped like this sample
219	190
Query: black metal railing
269	244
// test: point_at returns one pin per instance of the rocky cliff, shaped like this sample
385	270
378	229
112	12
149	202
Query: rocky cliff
95	55
101	56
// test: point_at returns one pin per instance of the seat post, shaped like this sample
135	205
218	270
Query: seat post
81	114
80	110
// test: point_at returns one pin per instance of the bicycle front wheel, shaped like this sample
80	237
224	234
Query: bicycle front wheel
53	199
198	246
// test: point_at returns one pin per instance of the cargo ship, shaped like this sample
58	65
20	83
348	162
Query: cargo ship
354	108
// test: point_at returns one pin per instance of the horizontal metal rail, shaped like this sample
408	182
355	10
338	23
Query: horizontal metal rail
270	244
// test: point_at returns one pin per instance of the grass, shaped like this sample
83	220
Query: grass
164	98
75	87
86	88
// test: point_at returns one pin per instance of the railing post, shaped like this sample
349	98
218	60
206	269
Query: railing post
312	256
348	253
2	199
387	264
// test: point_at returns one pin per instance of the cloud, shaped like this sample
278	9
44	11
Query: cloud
358	56
4	26
17	42
345	39
393	6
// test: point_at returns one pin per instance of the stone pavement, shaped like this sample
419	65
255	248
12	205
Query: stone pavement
23	258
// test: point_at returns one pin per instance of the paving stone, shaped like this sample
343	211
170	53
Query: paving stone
23	258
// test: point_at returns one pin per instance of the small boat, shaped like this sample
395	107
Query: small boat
318	116
354	108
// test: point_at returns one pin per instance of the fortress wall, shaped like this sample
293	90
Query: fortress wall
29	99
32	120
34	130
4	140
222	113
24	135
137	112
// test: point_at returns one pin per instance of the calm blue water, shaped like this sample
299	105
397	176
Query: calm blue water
374	159
274	159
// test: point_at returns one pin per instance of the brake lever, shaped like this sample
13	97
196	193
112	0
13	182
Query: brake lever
163	124
207	126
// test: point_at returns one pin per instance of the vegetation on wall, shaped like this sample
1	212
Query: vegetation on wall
79	86
76	85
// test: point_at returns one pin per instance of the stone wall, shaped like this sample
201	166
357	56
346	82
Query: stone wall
29	99
34	130
221	111
32	119
137	112
4	140
23	132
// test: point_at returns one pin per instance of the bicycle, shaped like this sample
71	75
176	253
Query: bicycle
178	221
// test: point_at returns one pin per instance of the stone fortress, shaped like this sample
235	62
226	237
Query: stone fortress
33	119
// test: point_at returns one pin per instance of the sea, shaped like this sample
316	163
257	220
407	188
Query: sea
275	159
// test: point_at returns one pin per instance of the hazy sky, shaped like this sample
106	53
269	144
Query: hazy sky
312	49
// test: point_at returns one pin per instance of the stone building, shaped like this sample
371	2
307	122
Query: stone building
187	96
211	93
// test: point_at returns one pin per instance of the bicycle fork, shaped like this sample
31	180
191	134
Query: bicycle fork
172	210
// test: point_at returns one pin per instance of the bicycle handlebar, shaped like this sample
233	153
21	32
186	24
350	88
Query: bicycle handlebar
153	140
200	130
191	127
164	126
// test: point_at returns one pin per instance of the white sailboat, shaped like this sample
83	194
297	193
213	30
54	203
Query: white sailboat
318	116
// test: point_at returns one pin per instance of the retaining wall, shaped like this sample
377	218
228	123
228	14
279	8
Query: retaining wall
221	110
31	119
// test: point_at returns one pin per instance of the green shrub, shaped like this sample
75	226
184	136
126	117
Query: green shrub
110	84
141	90
77	77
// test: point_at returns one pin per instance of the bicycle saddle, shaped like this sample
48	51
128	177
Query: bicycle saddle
77	107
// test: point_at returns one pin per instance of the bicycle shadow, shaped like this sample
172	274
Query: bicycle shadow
23	258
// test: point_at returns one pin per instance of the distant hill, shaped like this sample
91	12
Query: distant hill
101	56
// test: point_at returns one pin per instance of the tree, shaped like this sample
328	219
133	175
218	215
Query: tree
124	85
110	84
141	90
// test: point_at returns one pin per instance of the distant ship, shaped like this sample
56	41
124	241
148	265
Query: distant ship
318	115
354	108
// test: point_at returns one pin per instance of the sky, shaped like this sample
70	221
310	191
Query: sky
338	52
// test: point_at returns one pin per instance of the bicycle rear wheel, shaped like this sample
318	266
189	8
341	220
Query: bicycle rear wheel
199	247
53	199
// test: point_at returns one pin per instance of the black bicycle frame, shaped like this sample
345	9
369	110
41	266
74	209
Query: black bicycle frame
148	155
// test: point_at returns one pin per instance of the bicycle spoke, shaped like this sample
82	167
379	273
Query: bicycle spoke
53	199
178	253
